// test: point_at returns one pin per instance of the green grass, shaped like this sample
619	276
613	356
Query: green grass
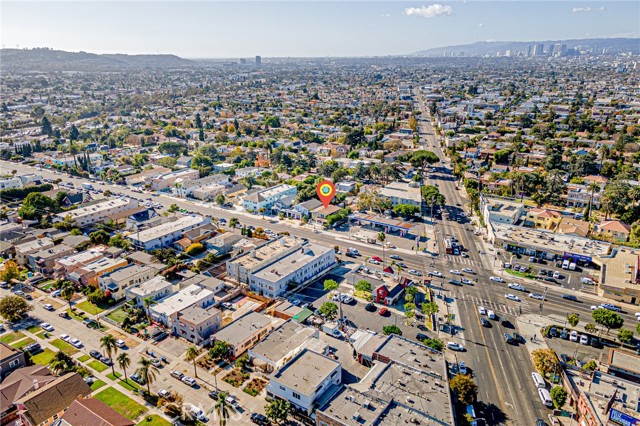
114	377
154	420
121	403
129	385
118	316
74	316
64	346
34	329
41	334
46	285
11	337
84	358
22	343
97	365
89	308
43	357
519	274
97	385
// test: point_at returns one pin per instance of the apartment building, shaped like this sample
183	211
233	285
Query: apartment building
44	261
197	324
166	234
68	264
166	311
25	249
403	193
118	281
501	210
543	218
167	180
91	272
155	289
186	188
98	212
240	267
10	183
281	345
243	333
266	198
139	178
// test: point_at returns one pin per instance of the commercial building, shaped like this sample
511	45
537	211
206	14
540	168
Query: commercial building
266	198
403	193
118	281
166	234
167	180
245	332
25	249
197	324
155	289
305	379
97	212
500	210
166	311
620	275
281	345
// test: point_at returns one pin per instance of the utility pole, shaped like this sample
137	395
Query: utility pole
544	296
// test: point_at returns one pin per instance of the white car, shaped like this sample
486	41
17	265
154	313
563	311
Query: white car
515	286
75	342
512	297
48	307
346	298
584	339
496	279
414	272
465	281
436	274
163	393
468	270
455	346
65	337
373	261
482	310
594	307
536	296
189	381
573	336
455	272
120	343
46	326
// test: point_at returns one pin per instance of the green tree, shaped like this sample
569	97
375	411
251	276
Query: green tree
61	363
120	241
10	271
590	328
233	222
465	388
108	344
173	208
35	205
278	410
430	308
435	344
406	210
73	133
625	335
190	356
219	350
558	396
545	361
67	292
363	285
421	159
329	310
147	371
591	365
409	310
220	199
607	318
391	329
46	128
573	319
222	408
100	237
124	362
14	308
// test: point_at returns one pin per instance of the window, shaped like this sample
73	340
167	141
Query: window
296	395
14	363
281	387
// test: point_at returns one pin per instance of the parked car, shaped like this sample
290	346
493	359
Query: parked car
75	342
120	343
496	279
189	381
462	367
46	326
163	393
370	307
584	339
383	311
177	374
95	354
48	307
105	360
455	346
260	419
65	337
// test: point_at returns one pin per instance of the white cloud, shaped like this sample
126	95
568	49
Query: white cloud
386	15
588	9
430	11
480	25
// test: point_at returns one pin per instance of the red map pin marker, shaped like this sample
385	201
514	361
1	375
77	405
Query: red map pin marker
326	190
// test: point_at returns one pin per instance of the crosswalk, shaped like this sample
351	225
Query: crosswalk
523	307
462	260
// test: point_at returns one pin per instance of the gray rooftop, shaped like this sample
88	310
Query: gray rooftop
305	372
282	340
129	271
243	328
196	315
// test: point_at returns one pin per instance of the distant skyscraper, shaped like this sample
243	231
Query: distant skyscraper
538	50
243	61
258	61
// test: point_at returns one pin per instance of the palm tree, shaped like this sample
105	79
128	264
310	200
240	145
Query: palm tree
67	292
222	408
148	301
108	343
190	356
61	363
124	362
381	238
147	371
592	188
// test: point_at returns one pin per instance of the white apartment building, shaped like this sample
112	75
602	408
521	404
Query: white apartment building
98	212
156	288
167	180
249	171
118	281
10	183
166	234
166	311
25	249
186	188
305	379
403	193
268	197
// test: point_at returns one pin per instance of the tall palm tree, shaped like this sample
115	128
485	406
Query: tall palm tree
592	188
108	343
61	363
147	371
124	362
222	408
190	356
381	238
147	301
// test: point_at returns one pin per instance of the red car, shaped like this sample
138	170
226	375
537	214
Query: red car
379	259
383	311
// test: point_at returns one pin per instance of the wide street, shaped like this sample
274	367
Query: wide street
506	393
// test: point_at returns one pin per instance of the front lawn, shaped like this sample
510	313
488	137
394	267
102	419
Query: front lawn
154	420
97	365
89	308
97	385
64	346
129	385
121	403
34	329
22	343
118	315
114	376
520	274
84	358
43	357
11	337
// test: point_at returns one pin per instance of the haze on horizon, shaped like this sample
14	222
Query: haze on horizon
303	28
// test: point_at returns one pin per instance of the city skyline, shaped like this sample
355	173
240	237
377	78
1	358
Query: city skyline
303	29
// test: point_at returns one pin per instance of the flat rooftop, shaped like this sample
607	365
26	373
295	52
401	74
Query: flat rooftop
354	408
621	270
281	340
402	190
156	283
547	241
413	354
166	228
182	299
266	252
102	264
624	360
243	328
275	190
293	262
98	207
305	372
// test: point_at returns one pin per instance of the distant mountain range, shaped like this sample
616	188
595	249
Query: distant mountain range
43	59
481	48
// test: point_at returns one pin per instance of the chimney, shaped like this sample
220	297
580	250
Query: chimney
36	384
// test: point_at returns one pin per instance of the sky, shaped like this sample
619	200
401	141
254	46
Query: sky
233	29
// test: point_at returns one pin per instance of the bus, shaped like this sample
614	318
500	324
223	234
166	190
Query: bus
448	246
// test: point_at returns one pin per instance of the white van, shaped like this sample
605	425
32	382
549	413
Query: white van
565	264
491	315
572	266
545	397
538	380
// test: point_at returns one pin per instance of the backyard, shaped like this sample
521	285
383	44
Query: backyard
121	403
255	386
118	315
